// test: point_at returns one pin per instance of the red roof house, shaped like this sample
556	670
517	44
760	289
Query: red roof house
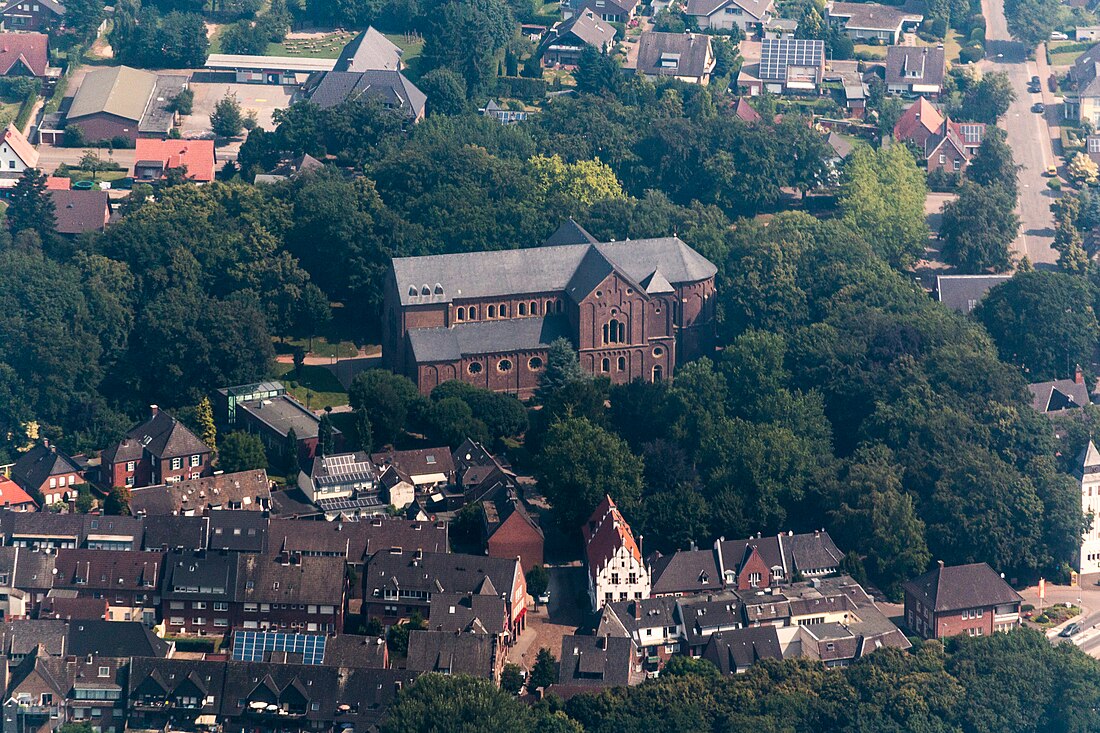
24	54
154	158
14	498
918	123
58	183
616	570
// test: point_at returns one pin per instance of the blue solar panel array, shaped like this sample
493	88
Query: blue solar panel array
253	646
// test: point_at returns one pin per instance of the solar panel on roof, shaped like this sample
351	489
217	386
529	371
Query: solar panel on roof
776	54
971	133
252	646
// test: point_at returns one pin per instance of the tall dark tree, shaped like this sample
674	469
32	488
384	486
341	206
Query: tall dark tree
978	228
994	164
30	206
326	437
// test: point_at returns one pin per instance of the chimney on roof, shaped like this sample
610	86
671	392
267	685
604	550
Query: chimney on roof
940	563
153	410
1078	375
637	610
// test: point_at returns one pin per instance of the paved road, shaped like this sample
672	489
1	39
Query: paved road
50	157
1029	135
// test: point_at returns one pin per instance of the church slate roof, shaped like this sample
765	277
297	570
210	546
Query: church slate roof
442	278
485	337
570	232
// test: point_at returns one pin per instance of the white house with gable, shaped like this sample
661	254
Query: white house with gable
616	570
16	154
1089	475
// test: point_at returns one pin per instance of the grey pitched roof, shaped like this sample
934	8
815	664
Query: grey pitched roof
51	5
872	16
586	28
485	337
1060	394
687	571
841	147
903	61
755	8
172	532
441	278
810	552
1086	72
675	54
568	232
161	435
451	653
964	292
21	636
78	211
597	661
117	90
458	611
216	572
950	588
114	639
303	579
352	650
282	414
40	463
368	51
738	649
391	88
438	572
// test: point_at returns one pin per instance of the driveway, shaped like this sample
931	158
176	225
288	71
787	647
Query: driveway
1029	135
546	625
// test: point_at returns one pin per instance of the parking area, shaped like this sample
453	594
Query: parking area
263	98
568	609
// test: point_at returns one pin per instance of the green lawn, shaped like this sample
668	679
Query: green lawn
876	52
315	388
77	175
328	46
411	47
8	111
1066	57
321	347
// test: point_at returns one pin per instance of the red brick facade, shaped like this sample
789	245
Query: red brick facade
515	537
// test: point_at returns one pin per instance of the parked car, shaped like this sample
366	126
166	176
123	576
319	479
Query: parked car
1038	108
1058	36
1069	630
1051	171
1034	89
544	599
1034	81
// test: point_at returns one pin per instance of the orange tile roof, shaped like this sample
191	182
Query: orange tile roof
58	183
21	147
12	495
921	114
604	533
197	155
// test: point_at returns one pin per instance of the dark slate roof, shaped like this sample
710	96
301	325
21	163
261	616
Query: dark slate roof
283	414
1057	395
34	570
107	570
168	532
451	653
437	572
741	648
30	525
464	611
391	88
810	552
902	61
586	28
21	637
291	578
735	552
956	587
51	5
369	50
292	504
597	661
352	650
215	572
702	614
569	232
77	212
631	616
542	269
161	435
238	531
872	16
40	463
486	337
964	292
674	54
160	678
418	462
688	571
115	639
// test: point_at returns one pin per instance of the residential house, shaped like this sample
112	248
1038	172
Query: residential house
951	147
46	691
502	115
510	531
960	599
46	530
1088	476
1060	394
427	469
32	15
289	590
1090	33
58	183
687	57
633	308
616	570
121	102
917	124
153	159
400	582
128	581
274	418
653	624
342	484
16	154
197	592
47	472
79	211
962	293
872	22
290	168
242	490
26	578
24	54
786	65
589	662
14	498
449	652
779	27
67	605
744	111
734	651
1082	101
480	475
356	542
391	88
235	531
370	51
912	70
719	15
610	11
122	639
702	616
160	450
563	45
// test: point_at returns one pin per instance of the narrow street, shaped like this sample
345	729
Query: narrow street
1029	134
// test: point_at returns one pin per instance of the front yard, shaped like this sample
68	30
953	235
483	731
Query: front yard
316	387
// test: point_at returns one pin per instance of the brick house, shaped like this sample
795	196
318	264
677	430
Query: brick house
960	599
32	15
128	581
154	158
633	309
158	451
510	531
197	591
24	54
14	498
46	692
47	472
248	491
289	591
616	570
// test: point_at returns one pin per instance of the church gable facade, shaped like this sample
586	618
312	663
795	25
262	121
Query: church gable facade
632	309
